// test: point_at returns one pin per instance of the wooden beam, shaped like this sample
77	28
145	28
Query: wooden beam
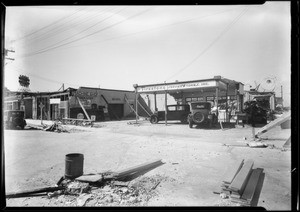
87	115
273	124
166	109
232	171
239	182
137	168
251	185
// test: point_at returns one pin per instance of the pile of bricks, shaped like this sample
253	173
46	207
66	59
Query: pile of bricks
240	182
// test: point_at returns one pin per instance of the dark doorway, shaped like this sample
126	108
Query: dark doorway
28	108
116	111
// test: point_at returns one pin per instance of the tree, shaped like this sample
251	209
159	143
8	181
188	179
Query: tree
24	81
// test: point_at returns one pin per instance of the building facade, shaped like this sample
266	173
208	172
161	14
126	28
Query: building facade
99	103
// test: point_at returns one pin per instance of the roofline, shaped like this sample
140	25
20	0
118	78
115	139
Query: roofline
106	89
180	82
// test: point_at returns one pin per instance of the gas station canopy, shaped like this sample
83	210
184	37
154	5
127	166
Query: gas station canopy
188	86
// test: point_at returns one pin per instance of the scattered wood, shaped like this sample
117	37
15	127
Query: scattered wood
138	168
90	178
34	191
232	172
120	183
239	182
273	124
56	127
251	185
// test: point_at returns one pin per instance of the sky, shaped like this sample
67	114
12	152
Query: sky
114	47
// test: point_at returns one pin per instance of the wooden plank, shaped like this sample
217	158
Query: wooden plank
239	182
274	123
34	191
138	168
90	178
251	185
81	105
232	171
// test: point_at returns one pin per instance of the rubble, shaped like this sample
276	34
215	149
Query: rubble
55	127
136	193
240	183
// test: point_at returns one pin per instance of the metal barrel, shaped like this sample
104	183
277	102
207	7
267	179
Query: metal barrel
74	165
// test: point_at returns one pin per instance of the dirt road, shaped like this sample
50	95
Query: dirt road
195	160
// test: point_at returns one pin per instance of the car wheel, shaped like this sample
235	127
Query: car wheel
153	119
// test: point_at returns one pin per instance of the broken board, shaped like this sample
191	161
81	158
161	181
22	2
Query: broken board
239	182
232	171
90	178
273	124
251	185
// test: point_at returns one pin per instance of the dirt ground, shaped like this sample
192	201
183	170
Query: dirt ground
194	162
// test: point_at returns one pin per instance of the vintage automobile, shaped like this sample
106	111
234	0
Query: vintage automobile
174	112
201	114
14	119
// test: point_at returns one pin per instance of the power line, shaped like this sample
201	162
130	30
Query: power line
74	35
45	27
62	28
227	28
105	28
155	28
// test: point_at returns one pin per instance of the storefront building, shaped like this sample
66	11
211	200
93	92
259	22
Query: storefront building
99	103
223	92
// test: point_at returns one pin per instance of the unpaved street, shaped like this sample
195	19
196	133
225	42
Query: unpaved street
195	160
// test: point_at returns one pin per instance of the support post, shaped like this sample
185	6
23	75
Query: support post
217	100
226	112
166	109
86	114
155	103
41	107
136	105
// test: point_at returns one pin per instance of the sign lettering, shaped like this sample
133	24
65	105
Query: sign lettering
176	86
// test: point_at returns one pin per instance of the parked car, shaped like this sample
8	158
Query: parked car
14	119
201	114
174	112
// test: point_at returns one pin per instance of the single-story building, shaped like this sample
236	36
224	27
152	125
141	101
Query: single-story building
100	103
220	91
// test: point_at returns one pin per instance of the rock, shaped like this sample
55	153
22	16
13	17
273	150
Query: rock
81	200
223	195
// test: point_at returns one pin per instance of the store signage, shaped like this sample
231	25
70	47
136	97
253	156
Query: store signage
86	94
55	101
179	86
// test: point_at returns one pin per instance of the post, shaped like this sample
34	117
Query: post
155	104
227	115
86	114
41	107
217	100
166	109
136	103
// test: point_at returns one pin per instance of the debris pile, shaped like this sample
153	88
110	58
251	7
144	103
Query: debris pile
125	188
115	193
240	183
55	127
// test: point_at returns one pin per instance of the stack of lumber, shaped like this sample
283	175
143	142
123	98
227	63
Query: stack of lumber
240	182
